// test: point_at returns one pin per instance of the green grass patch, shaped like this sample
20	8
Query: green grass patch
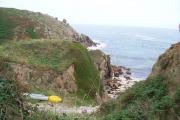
85	72
23	20
41	54
6	26
31	33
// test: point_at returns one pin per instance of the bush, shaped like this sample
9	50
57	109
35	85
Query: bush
177	101
164	103
12	105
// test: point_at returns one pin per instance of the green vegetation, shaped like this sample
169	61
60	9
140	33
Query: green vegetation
85	71
56	55
17	24
42	54
12	106
6	27
31	33
147	100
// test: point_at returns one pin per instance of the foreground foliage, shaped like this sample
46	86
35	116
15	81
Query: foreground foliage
147	100
12	105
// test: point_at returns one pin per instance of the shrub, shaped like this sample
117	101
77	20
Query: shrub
12	105
177	101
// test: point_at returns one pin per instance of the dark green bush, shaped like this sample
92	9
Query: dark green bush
177	96
164	103
177	101
12	105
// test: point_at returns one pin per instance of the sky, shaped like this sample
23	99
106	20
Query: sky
145	13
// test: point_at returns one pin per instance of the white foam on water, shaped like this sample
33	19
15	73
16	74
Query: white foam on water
144	37
99	46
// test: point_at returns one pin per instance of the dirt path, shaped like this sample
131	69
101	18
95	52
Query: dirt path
61	108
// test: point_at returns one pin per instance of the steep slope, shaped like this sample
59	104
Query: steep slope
168	66
43	65
157	98
45	54
102	62
23	25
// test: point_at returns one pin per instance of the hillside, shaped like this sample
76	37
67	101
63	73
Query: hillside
168	66
23	25
157	98
46	55
50	65
40	54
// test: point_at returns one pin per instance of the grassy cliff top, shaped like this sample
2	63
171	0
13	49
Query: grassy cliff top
42	54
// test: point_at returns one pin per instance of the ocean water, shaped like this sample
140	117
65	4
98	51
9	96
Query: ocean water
133	47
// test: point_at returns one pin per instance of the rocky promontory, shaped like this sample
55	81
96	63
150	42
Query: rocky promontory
26	25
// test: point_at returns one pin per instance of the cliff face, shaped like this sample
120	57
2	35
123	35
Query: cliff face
103	64
168	66
22	25
41	80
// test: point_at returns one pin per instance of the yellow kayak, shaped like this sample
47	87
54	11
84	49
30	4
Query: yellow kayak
54	99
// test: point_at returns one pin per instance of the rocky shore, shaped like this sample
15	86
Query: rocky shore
115	79
120	81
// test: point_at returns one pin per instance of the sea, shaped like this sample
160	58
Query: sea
137	48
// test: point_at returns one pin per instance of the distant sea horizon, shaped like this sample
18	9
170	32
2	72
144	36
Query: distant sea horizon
137	48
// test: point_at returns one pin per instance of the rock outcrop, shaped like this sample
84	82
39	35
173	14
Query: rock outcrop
25	75
103	64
